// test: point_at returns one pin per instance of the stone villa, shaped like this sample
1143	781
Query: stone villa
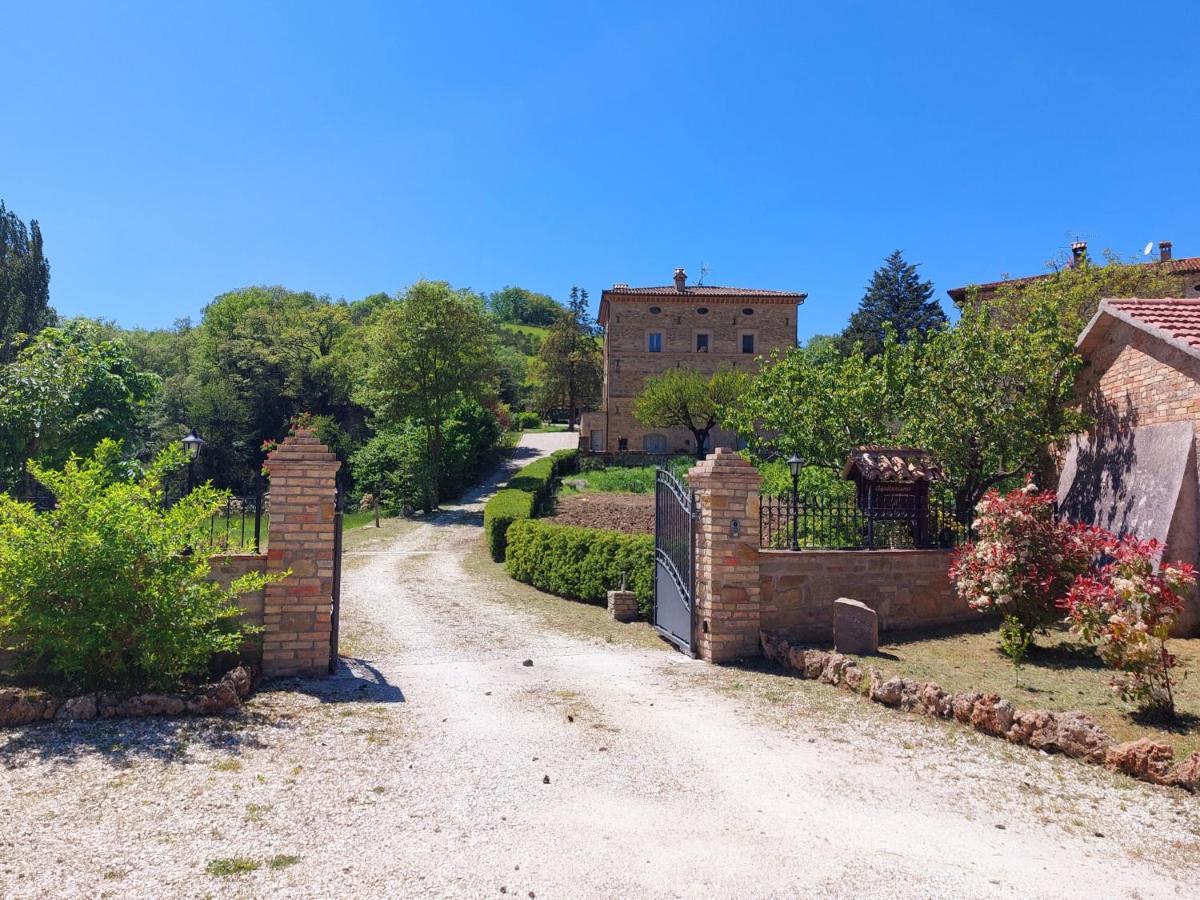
648	330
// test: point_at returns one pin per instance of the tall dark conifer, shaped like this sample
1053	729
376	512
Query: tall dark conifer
24	283
896	297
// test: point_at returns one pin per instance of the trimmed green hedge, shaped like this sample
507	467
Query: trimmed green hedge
581	563
500	512
525	495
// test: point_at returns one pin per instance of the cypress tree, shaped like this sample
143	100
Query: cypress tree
24	283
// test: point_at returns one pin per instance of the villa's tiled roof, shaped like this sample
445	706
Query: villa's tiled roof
1186	266
701	290
1180	318
897	464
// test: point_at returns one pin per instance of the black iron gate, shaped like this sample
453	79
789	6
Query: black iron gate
337	582
674	561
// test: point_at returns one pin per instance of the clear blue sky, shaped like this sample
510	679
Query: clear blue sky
174	153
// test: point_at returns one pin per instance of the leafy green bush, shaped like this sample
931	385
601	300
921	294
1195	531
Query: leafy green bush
501	511
392	465
523	421
566	461
104	591
581	563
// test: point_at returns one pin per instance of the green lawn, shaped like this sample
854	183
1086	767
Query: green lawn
624	479
535	331
1059	675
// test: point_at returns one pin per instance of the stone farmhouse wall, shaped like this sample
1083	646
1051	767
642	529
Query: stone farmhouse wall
628	362
742	589
906	588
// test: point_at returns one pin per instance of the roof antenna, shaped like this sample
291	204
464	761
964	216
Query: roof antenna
1149	246
703	272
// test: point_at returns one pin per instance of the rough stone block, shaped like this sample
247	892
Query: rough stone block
855	627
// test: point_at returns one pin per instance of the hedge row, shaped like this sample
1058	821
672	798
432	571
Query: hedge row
581	563
525	495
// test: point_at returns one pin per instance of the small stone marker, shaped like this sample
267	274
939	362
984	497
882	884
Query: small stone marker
622	605
855	627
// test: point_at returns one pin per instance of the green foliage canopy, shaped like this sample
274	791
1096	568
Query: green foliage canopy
427	353
70	388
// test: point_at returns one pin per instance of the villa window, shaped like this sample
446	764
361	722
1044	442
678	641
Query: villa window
654	342
747	342
702	340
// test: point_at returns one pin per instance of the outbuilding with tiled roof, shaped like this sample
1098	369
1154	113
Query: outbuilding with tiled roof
1135	470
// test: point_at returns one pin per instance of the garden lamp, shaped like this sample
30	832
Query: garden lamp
794	465
192	443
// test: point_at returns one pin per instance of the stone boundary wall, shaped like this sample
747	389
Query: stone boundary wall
742	589
906	588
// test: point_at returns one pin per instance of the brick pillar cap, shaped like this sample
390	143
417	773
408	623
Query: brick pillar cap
725	464
302	448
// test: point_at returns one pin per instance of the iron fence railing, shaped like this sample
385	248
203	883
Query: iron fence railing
800	522
237	527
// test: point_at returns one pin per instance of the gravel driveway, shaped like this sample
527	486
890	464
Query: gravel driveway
438	764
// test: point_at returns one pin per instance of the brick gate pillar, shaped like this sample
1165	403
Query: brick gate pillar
298	611
727	592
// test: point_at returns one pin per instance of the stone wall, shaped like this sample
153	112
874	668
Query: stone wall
906	588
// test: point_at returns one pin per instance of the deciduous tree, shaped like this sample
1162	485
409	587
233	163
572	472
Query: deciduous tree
570	368
427	353
685	398
70	388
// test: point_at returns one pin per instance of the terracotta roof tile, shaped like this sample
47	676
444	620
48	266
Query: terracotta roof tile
701	290
1178	317
898	464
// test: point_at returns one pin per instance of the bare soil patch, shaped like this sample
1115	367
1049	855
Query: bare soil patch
628	513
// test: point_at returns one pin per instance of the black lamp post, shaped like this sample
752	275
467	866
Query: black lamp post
794	465
192	443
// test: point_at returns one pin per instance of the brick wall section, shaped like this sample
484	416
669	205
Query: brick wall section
297	611
225	569
906	588
1140	380
727	572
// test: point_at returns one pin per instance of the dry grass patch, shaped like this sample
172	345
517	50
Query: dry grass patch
571	617
1059	675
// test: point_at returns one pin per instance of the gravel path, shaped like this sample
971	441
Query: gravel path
437	764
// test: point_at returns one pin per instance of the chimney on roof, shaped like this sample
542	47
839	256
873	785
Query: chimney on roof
1164	251
680	280
1078	252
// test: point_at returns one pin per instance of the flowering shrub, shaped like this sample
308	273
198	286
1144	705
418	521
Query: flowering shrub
1126	608
1024	560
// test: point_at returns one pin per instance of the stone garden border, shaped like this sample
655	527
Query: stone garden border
1072	734
28	706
